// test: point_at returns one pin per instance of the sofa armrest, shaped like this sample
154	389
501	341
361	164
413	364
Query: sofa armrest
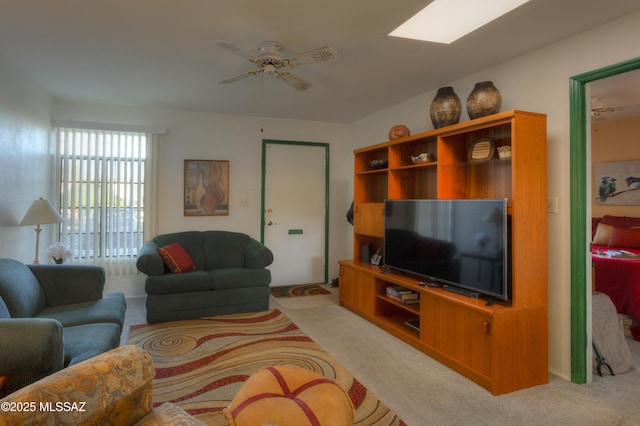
30	349
115	387
256	255
149	261
67	284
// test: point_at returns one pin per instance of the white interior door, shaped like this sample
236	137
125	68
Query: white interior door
294	205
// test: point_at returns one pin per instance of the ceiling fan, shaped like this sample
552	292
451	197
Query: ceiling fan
270	60
601	112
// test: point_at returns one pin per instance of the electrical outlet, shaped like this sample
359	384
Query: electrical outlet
244	202
552	204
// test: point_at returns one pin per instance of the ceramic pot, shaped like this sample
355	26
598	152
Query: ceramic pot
485	99
445	108
398	131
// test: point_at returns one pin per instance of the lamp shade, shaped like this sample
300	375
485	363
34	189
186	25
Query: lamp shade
41	212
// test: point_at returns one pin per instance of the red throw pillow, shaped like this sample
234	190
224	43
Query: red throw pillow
176	258
625	238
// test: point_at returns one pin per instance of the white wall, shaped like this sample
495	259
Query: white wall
25	161
539	82
203	135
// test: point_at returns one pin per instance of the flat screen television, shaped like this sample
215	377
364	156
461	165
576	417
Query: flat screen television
461	244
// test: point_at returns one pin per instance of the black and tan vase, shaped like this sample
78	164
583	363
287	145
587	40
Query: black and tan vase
445	108
485	99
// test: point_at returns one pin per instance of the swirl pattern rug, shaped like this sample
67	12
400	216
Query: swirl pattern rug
298	290
200	364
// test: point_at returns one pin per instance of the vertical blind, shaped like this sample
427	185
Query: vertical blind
102	193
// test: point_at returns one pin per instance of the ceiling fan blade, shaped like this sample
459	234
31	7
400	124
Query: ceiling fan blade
322	54
293	81
235	49
240	76
626	107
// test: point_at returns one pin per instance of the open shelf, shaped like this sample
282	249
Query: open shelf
503	346
410	307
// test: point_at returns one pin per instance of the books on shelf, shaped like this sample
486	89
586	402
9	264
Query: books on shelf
406	302
402	294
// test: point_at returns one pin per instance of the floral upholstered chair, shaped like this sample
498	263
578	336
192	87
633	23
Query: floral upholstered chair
114	388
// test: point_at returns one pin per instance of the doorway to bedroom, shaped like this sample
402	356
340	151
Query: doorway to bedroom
580	200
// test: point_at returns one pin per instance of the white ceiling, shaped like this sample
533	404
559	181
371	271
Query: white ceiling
162	53
616	97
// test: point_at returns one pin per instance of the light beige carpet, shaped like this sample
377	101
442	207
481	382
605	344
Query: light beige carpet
200	364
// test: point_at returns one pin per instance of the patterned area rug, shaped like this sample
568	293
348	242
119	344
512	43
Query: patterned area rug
298	290
200	364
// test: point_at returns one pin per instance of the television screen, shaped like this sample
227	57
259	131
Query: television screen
460	243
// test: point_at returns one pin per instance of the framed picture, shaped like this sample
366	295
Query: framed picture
617	182
206	188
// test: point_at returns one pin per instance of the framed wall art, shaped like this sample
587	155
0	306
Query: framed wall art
206	188
617	182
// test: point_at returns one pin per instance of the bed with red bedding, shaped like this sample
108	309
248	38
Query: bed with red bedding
616	256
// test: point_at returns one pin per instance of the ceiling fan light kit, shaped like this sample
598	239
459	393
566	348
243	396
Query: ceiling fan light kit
270	61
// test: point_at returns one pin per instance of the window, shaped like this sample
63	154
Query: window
102	175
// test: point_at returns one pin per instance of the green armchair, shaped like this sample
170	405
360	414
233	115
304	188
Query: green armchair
53	316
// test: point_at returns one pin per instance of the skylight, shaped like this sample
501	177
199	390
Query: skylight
445	21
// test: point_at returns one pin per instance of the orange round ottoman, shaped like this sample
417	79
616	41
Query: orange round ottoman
286	395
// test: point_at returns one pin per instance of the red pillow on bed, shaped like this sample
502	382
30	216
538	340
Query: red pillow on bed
176	258
625	237
623	221
602	234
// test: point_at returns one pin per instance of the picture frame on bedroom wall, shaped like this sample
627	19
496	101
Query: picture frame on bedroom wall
617	183
206	187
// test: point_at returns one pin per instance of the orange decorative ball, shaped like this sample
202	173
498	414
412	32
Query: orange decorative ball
398	131
289	396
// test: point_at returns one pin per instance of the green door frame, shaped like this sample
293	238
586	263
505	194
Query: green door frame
578	200
266	142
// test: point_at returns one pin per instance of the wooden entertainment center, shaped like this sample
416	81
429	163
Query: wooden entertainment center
501	346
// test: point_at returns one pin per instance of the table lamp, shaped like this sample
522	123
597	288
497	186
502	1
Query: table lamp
41	212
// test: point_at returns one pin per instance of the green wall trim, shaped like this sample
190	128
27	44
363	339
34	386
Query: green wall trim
578	200
266	142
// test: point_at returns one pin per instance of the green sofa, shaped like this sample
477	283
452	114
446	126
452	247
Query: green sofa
53	316
230	276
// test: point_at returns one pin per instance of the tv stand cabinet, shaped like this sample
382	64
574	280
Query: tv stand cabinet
501	346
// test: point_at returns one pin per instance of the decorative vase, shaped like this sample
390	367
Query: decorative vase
445	108
58	261
484	99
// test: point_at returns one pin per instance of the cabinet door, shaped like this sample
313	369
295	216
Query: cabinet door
369	219
463	335
357	290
